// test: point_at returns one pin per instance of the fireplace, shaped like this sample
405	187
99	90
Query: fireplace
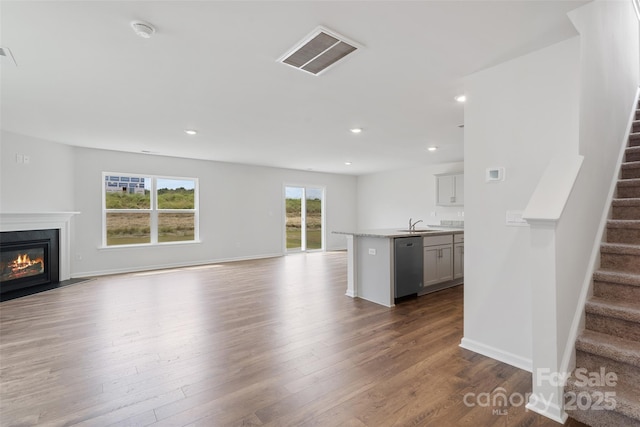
29	258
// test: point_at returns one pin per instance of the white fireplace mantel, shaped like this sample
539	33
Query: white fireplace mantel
19	221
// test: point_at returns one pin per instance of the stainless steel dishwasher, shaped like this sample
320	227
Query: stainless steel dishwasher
408	263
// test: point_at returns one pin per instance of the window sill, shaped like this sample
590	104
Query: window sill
151	245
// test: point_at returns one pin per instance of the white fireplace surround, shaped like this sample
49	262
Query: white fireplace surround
21	221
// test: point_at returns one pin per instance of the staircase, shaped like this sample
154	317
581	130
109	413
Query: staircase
611	339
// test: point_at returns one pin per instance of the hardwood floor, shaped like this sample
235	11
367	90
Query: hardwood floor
270	342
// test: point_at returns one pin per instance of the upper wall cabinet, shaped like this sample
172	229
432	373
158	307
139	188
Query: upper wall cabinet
450	190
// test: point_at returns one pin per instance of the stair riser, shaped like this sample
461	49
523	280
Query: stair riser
636	127
626	212
586	404
628	192
600	418
611	326
630	173
624	235
632	157
634	141
626	374
616	291
620	262
637	114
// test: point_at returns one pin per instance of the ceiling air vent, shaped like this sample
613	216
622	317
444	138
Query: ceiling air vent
319	51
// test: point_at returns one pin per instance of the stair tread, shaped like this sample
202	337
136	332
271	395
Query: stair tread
633	149
614	276
630	165
626	398
623	310
631	201
620	248
623	223
632	182
609	346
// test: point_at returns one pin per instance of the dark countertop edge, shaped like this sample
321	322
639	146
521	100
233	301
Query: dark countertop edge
390	233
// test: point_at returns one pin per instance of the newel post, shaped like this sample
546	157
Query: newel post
543	213
547	397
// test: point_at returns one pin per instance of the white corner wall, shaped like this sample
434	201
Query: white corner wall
241	206
518	115
389	199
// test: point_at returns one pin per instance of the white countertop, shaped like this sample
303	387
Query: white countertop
391	233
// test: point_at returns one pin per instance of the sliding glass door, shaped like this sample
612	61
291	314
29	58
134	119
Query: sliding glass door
303	218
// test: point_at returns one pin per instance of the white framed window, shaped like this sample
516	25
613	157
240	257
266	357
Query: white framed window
148	210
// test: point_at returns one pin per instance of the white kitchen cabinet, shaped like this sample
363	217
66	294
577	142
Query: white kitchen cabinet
458	260
438	259
450	190
458	256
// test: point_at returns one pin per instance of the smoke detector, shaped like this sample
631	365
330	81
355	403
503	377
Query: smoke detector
319	51
143	29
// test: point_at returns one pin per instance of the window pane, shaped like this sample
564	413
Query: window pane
293	200
127	192
128	228
314	218
174	227
176	194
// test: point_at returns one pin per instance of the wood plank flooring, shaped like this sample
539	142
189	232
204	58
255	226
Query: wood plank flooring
271	342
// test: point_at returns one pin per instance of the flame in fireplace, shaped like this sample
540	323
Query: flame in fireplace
23	262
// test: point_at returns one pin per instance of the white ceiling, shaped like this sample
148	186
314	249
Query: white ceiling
84	78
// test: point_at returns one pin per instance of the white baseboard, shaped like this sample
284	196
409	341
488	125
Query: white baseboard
495	353
81	274
549	410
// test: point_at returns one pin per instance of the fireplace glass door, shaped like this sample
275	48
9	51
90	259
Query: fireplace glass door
28	258
23	262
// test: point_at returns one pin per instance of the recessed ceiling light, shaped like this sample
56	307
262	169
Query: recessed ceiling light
190	131
432	148
355	130
461	98
347	163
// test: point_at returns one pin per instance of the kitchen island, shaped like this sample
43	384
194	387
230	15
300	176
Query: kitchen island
371	266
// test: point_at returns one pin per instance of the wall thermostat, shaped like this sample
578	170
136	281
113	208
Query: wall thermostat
494	174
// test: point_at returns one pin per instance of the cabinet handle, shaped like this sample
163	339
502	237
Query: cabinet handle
453	199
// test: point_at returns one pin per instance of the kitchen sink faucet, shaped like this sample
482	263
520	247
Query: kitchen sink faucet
412	227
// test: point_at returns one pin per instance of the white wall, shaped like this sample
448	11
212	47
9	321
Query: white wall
518	115
44	184
609	79
389	199
241	207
